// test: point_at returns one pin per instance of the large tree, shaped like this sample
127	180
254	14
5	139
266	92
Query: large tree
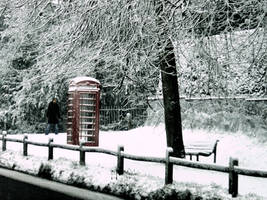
170	89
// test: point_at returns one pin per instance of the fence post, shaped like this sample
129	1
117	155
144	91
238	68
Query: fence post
25	145
50	149
120	161
168	167
82	154
233	177
4	142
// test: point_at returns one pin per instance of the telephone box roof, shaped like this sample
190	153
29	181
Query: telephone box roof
84	83
82	79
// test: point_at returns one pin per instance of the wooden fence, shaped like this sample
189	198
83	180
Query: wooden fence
232	169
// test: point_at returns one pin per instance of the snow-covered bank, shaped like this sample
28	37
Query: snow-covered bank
147	177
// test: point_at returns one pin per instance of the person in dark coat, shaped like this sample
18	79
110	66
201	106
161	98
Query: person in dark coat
53	116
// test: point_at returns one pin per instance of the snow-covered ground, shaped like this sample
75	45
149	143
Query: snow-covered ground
151	141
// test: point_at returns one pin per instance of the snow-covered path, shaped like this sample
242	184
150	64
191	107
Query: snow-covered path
151	141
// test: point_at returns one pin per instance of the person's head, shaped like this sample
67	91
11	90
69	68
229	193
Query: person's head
54	99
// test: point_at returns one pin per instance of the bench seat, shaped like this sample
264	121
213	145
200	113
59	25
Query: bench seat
201	148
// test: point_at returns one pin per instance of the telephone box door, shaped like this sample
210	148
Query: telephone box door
89	118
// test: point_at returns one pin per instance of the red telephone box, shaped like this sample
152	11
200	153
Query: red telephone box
83	111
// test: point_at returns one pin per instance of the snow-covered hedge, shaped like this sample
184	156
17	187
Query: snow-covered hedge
131	185
235	115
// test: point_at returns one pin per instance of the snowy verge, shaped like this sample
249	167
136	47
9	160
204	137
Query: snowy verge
131	185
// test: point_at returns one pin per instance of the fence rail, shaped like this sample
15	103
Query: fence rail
160	97
232	169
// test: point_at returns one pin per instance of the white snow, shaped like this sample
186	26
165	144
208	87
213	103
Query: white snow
84	78
147	141
74	84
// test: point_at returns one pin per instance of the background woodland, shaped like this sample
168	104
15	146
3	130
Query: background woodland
220	49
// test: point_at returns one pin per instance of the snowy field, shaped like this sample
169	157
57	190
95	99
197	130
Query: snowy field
151	141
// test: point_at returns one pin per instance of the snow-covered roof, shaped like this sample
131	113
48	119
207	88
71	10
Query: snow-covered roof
81	83
84	78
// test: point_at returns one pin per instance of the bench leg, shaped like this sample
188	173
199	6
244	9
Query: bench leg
190	156
215	151
197	157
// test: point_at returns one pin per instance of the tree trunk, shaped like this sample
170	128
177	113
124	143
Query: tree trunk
171	101
170	90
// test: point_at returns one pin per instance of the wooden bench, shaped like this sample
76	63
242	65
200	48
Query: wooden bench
201	148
